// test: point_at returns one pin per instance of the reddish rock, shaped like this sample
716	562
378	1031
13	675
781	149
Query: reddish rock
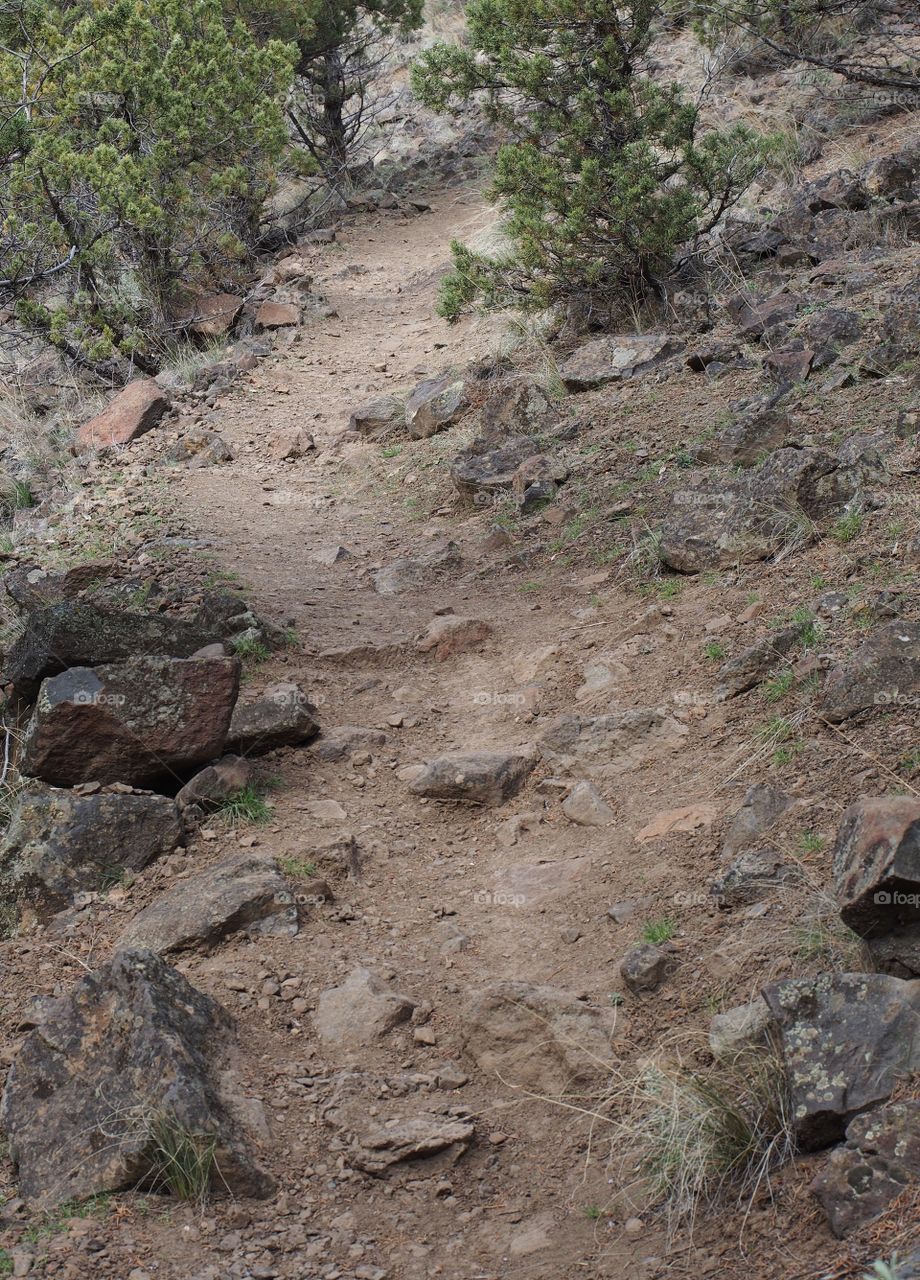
451	635
877	865
210	315
137	409
277	315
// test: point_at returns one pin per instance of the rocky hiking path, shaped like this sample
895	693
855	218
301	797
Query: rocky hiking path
448	899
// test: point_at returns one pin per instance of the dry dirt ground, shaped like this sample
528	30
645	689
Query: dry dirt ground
441	899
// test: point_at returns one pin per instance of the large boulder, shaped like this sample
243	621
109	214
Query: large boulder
86	634
604	360
880	1159
131	1056
538	1037
245	893
435	405
139	408
846	1041
60	844
883	672
142	721
280	717
478	777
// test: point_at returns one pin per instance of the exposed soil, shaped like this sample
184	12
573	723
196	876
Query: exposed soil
443	899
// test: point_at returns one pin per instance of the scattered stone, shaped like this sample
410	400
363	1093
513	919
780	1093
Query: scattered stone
331	555
746	1026
756	662
216	784
139	721
486	469
132	1048
407	574
752	876
209	315
375	1148
242	894
60	844
200	447
276	315
377	416
612	359
519	406
610	745
137	409
884	672
482	777
341	741
280	717
360	1011
880	1159
537	1037
435	405
287	444
647	966
846	1040
694	817
451	635
586	808
761	808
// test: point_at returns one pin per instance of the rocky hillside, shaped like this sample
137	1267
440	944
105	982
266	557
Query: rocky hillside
461	783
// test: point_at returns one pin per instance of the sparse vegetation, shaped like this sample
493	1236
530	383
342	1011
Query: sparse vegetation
298	868
182	1162
245	805
658	931
714	650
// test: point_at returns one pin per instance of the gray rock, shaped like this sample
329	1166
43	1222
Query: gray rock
537	1037
242	894
880	1159
85	634
131	1051
586	808
199	447
280	717
761	809
608	745
142	721
737	1030
479	777
883	673
407	573
846	1041
214	785
752	876
518	406
340	741
360	1011
376	417
487	468
753	664
877	865
435	404
59	844
646	967
605	360
376	1145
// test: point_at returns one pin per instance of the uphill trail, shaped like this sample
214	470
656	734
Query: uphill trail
445	899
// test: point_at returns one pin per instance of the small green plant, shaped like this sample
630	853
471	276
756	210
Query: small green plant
245	805
593	1211
181	1161
658	931
776	689
809	628
788	752
910	762
714	650
811	842
251	650
6	1263
848	527
391	451
298	868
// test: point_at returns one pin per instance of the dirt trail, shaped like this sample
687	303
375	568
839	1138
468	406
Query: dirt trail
448	898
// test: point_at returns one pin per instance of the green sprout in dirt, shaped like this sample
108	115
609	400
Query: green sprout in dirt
811	842
714	650
910	762
245	805
657	931
848	527
593	1211
776	689
251	650
298	868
